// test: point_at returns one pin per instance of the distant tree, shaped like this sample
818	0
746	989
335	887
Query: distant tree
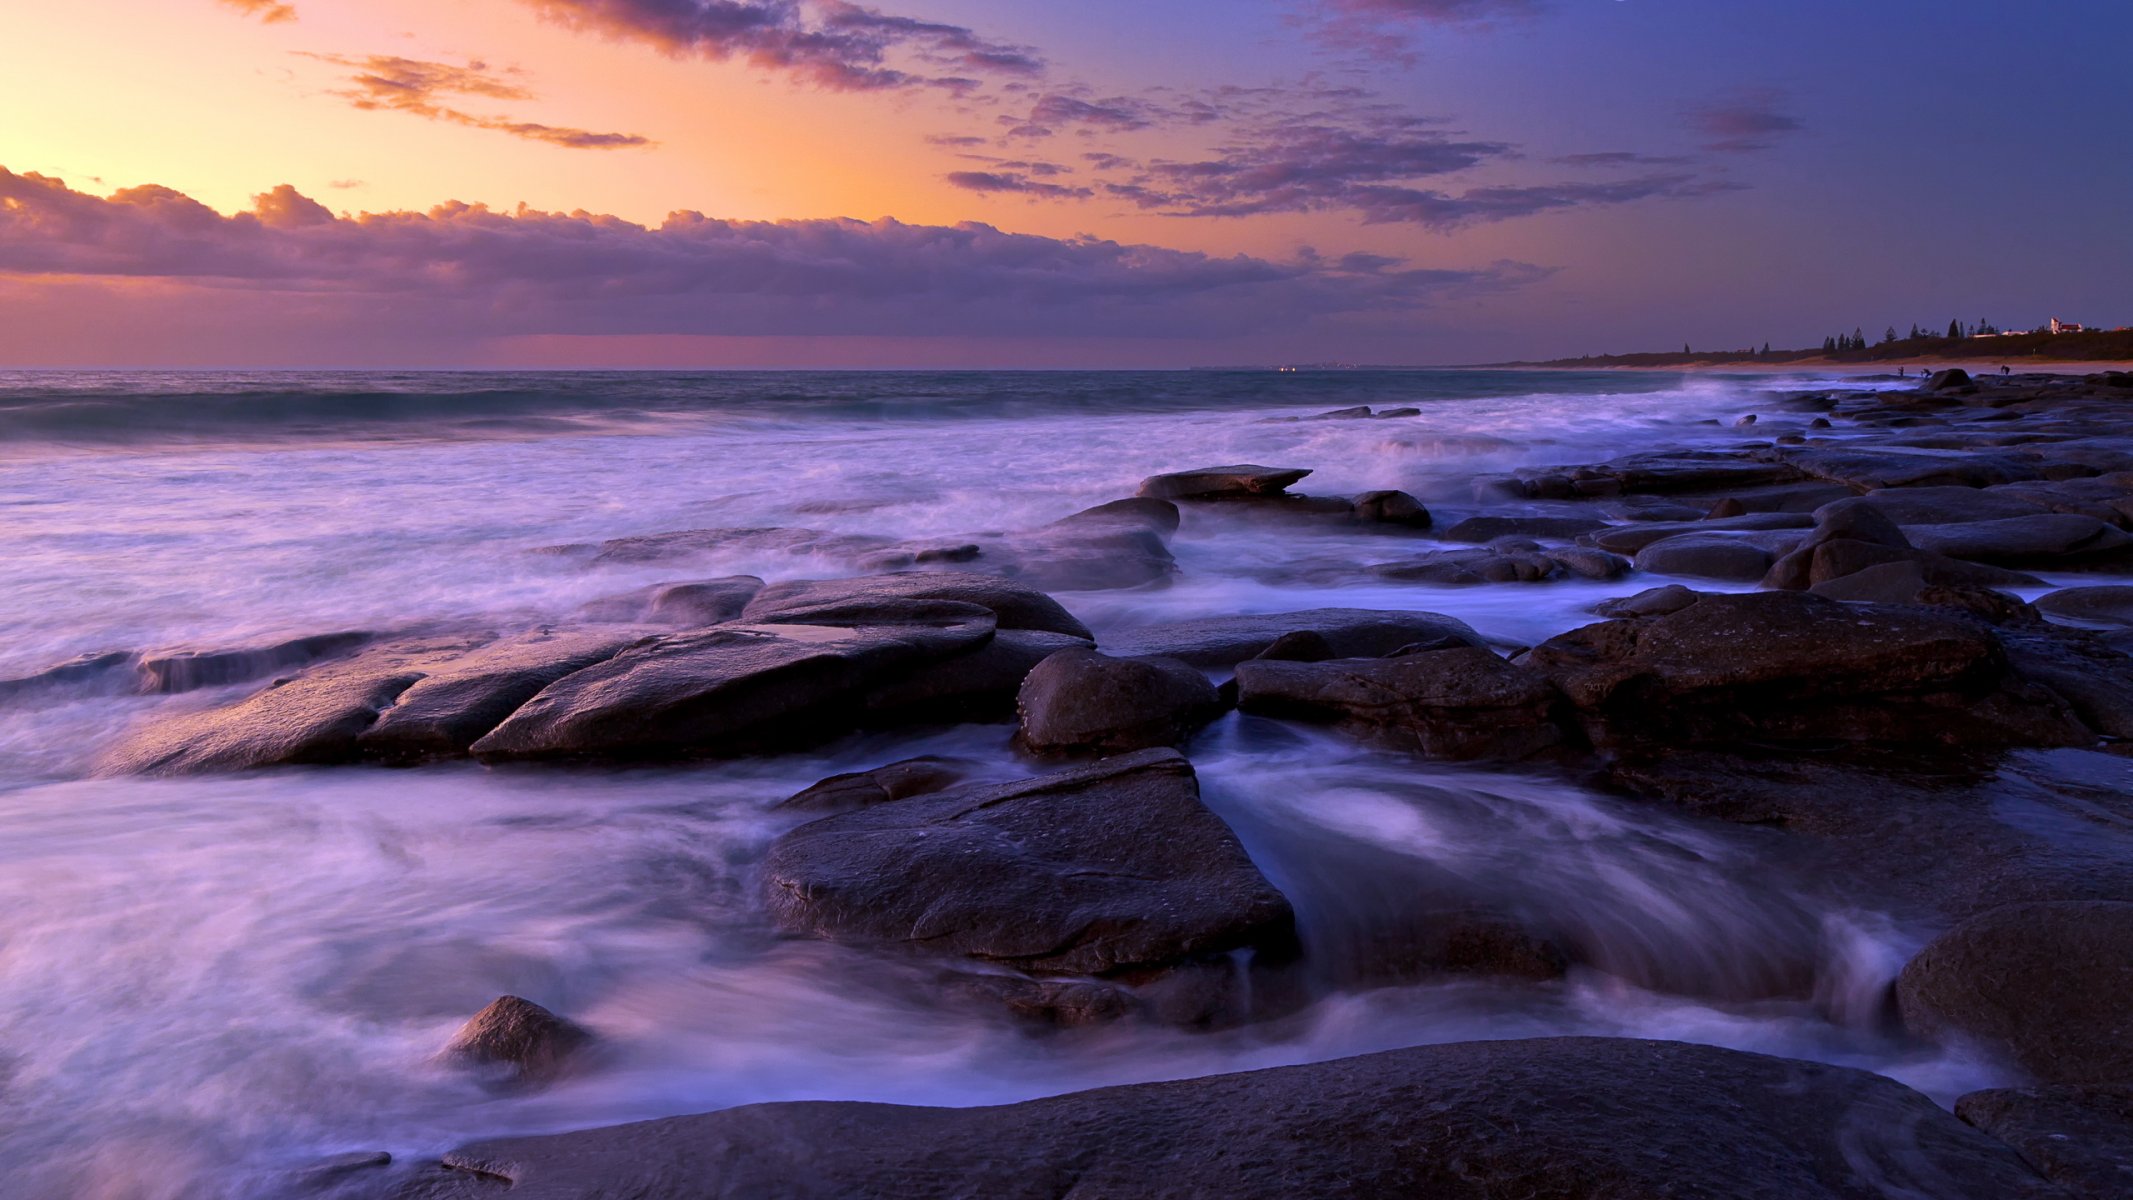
1914	331
1829	345
1889	336
1684	347
1955	330
1766	347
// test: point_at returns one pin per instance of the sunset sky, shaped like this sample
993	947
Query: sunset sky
1015	183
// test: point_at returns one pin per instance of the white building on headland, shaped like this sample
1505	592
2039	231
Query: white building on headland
2058	326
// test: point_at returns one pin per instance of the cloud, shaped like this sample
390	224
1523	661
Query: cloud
268	11
1443	211
989	182
463	273
1387	28
408	85
830	43
1620	158
1747	121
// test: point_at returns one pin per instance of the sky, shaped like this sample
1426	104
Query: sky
1026	183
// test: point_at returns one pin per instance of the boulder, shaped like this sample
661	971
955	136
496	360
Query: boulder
1391	508
1216	642
188	670
1568	1118
2048	985
1854	534
1134	512
977	685
1240	482
1706	556
1479	565
1013	605
2039	539
461	697
698	603
1112	873
1484	529
1950	379
1788	666
1464	702
88	670
2106	604
1630	539
893	781
1588	562
684	544
800	676
2080	1138
525	1040
1079	700
1651	602
1949	505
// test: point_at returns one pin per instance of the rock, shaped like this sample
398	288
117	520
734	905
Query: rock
1651	602
86	670
1728	507
188	670
1854	534
312	720
1948	505
1949	379
1390	413
1134	512
1712	556
2080	1138
801	676
2107	604
1079	700
1568	1118
1657	473
1487	565
1784	666
1630	539
1013	605
1216	642
1391	508
1344	414
533	1044
703	602
893	781
1116	545
2048	985
1483	529
1587	562
1302	645
1868	470
697	543
1742	422
976	685
1820	423
1884	583
2039	539
1112	872
1461	703
460	698
1241	482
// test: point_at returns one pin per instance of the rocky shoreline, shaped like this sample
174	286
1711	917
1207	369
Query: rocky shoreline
1835	651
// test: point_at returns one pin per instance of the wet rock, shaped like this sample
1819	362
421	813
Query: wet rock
1303	645
314	719
1216	642
1134	512
1871	469
1712	556
800	675
87	670
976	685
2039	539
463	696
1630	539
1787	666
701	602
1485	565
1949	505
1344	414
1483	529
1240	482
1391	508
528	1041
1588	562
1392	413
1079	700
1854	534
1502	1120
1460	703
2107	604
1091	556
1013	605
1651	602
684	544
1657	473
2048	985
1950	379
893	781
1728	507
2080	1138
1112	872
189	670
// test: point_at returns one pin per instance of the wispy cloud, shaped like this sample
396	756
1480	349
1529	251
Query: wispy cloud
268	11
416	86
463	271
829	43
988	182
1745	121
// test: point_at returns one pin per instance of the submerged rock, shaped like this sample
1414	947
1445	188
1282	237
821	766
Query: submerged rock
1463	702
2048	985
190	670
1112	874
892	781
2080	1138
1079	700
1013	605
1240	482
531	1043
1348	632
1391	508
1574	1118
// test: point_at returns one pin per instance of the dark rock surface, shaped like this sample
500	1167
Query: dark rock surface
1485	529
890	781
459	699
2105	604
1480	565
1391	508
1706	556
1349	633
2080	1138
1013	605
2049	985
1112	872
1561	1118
1240	482
1080	701
1462	702
190	670
701	602
529	1043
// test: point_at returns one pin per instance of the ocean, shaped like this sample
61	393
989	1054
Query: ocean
210	983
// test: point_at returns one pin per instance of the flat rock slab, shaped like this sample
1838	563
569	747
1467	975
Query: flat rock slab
1561	1118
1349	633
1013	605
1113	869
2048	985
2107	604
1243	481
2080	1138
1463	702
800	677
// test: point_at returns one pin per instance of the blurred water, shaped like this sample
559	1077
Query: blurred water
205	983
